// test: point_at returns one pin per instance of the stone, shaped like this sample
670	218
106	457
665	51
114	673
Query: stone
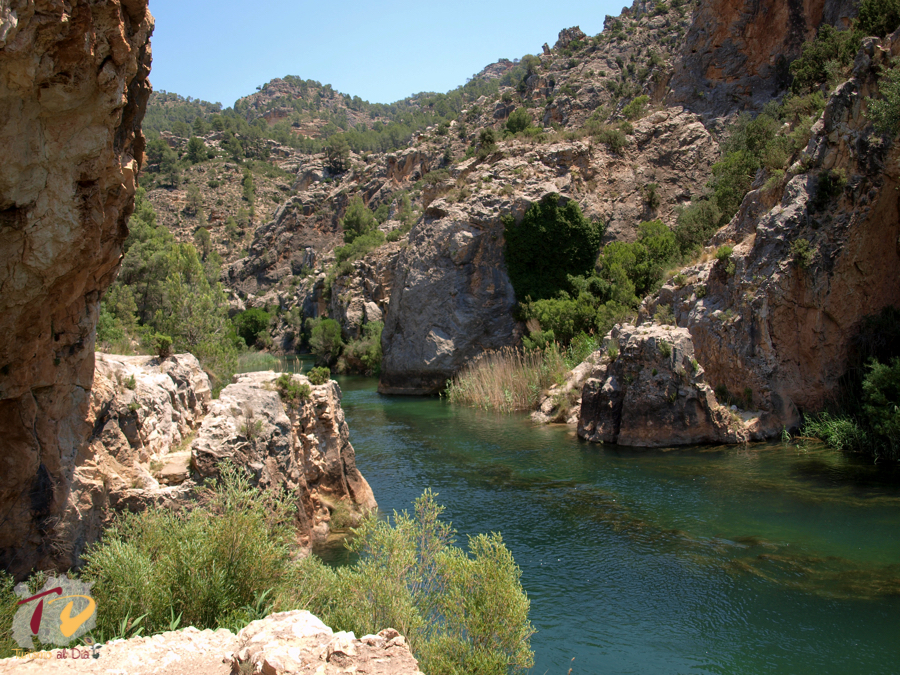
651	394
304	447
71	111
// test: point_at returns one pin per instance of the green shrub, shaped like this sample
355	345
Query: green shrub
358	220
461	612
364	355
885	110
291	390
831	50
319	375
359	246
724	252
162	345
613	139
518	121
665	349
325	339
204	565
250	323
696	224
802	253
8	609
830	186
636	109
879	17
881	392
550	243
841	432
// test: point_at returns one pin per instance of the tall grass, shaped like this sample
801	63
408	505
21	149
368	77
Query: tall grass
509	379
252	362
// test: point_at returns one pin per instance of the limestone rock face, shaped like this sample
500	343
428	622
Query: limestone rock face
362	296
73	87
452	300
298	642
736	52
651	395
304	448
281	644
780	327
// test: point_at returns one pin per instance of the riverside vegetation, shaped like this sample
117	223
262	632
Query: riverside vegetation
231	561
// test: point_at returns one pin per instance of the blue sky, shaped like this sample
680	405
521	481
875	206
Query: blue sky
384	51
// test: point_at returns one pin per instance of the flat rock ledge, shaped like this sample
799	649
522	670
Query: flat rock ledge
653	394
281	644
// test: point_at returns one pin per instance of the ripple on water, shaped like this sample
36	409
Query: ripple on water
755	559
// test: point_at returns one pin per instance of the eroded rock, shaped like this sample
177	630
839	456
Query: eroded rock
303	447
73	88
653	394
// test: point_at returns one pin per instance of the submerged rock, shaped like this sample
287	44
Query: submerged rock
653	394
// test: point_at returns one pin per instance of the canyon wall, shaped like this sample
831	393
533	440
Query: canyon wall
73	89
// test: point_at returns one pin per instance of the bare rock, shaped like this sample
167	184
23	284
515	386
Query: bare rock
302	447
736	52
73	89
652	395
298	642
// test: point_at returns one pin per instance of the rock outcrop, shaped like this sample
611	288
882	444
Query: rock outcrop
142	410
298	642
73	87
286	643
736	53
652	393
776	320
302	446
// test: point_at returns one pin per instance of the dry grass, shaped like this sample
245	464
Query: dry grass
508	380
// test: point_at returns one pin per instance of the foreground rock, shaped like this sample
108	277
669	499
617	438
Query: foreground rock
653	394
298	642
285	643
141	411
73	88
302	446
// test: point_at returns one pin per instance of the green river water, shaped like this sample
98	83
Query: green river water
764	558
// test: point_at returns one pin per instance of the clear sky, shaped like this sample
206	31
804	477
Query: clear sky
380	51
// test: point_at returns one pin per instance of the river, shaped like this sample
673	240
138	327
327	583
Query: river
766	558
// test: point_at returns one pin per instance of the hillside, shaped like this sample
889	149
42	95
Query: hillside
651	124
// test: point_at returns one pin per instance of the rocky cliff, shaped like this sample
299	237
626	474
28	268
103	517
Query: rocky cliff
736	53
73	86
780	325
300	445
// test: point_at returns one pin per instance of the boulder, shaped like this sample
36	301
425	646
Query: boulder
298	642
652	394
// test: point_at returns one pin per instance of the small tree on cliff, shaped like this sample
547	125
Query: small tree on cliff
358	220
338	153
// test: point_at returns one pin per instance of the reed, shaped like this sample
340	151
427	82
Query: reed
509	379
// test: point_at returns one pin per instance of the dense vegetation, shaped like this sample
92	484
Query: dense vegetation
168	297
865	417
158	570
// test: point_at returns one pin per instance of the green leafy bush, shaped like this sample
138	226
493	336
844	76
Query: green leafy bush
802	253
879	17
831	51
250	323
551	242
518	121
359	247
358	220
636	108
319	375
204	565
363	355
325	339
696	224
885	110
881	391
291	390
